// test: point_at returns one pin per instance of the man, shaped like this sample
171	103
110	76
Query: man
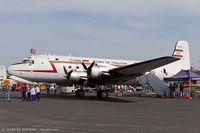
181	86
174	86
24	92
33	92
6	89
28	93
37	89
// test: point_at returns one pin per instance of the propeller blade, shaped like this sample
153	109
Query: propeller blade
69	74
65	70
89	71
84	66
91	66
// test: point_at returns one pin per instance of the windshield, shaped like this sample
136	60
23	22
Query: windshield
25	61
30	62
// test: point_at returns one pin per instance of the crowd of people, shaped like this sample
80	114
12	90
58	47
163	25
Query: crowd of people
29	92
176	88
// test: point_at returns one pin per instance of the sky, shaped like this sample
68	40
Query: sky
121	29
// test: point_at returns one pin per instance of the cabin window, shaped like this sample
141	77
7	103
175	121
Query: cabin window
69	67
56	59
77	67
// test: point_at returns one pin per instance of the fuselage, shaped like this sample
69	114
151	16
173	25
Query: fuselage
49	68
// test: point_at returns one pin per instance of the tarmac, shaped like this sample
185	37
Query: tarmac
69	114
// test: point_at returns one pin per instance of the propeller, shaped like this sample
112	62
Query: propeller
88	69
67	74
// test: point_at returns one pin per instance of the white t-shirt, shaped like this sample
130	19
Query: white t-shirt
33	91
37	89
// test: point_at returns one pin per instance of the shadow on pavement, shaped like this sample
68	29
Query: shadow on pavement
89	98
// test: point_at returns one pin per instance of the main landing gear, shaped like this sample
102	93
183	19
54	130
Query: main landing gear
102	94
79	93
102	91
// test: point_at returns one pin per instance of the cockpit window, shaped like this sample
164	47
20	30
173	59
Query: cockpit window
28	61
25	61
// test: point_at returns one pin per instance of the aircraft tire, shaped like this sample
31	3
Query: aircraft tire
79	93
102	94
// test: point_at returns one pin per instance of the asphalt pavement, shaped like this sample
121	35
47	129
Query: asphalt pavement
69	114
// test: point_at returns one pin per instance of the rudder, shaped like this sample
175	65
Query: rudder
182	51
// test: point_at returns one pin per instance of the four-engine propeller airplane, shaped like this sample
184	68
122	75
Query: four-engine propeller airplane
84	71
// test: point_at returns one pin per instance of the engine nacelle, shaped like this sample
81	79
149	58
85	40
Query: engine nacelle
97	72
77	76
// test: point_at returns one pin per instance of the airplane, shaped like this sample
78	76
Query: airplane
93	72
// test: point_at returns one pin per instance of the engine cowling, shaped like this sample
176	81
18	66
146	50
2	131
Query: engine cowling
97	72
77	76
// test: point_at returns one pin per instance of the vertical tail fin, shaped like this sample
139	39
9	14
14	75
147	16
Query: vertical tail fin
182	51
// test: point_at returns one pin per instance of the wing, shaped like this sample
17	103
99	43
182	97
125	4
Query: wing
126	73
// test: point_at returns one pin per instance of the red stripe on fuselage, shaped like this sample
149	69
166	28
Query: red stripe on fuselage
42	71
116	65
54	70
48	71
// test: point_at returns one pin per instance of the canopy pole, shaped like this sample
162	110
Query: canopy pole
189	84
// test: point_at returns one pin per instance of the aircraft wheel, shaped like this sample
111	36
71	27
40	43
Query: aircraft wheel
104	94
79	93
